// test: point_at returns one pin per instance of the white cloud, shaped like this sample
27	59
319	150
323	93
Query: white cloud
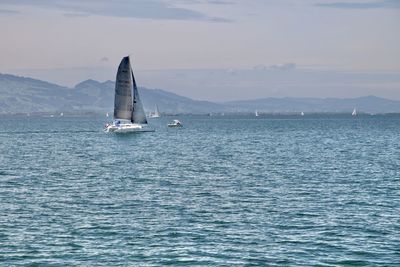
149	9
362	4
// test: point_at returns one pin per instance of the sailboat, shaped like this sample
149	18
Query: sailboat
156	113
302	113
129	114
256	113
354	112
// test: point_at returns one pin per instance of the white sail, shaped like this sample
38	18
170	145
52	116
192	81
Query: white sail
256	113
156	112
354	112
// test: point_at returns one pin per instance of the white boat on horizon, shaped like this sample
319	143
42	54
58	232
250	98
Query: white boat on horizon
256	113
129	114
156	113
354	113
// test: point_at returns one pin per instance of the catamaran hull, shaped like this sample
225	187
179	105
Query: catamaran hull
174	125
131	128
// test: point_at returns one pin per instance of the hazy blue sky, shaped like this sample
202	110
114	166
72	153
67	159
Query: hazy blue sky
210	49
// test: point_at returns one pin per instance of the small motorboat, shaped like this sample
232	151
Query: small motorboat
175	123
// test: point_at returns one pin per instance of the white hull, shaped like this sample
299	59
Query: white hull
128	128
175	123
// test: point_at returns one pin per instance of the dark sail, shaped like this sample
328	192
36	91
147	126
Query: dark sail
123	101
127	104
138	115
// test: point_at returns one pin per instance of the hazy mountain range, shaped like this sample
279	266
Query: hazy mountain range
26	95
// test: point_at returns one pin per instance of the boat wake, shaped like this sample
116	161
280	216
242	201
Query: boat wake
49	132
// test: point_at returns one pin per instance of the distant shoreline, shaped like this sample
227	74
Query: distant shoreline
225	114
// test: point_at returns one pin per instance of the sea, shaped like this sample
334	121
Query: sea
313	190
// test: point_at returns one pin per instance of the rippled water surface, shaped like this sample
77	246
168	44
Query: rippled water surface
222	191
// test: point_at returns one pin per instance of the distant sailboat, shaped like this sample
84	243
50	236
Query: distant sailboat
129	114
107	115
354	112
302	113
61	114
256	113
156	113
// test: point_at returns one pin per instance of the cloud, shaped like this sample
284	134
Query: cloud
8	12
202	2
145	9
220	2
76	15
362	5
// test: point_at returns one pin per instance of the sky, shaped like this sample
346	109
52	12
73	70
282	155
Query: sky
210	49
